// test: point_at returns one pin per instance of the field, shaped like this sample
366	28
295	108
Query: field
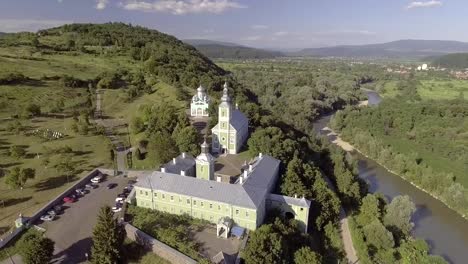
88	151
429	89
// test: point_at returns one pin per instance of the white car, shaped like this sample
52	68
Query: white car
116	209
119	200
47	217
96	179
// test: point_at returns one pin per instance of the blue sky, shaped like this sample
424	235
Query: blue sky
258	23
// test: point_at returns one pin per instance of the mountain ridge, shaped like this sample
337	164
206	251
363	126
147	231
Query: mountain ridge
399	48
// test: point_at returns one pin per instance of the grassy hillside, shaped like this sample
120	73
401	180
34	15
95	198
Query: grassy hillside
59	70
455	60
236	52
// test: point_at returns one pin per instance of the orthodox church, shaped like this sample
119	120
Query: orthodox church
231	131
200	103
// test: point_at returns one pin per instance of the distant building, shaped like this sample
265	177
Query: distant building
200	103
231	131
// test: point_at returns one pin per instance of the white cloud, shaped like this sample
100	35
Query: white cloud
32	25
182	7
281	33
101	4
259	27
60	1
419	4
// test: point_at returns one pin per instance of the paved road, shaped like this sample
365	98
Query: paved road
72	231
121	152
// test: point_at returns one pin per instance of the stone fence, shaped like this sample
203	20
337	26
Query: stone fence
156	246
57	200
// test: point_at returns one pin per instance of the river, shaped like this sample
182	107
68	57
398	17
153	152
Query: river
445	231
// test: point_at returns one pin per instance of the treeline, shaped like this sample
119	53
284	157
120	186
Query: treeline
401	135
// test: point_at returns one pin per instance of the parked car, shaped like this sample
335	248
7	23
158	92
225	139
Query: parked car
111	185
91	186
68	199
116	209
52	212
58	208
119	199
122	195
80	191
47	217
97	179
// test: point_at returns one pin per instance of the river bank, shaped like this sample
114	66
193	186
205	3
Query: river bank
346	146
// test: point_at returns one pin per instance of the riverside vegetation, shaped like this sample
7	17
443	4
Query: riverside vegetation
400	134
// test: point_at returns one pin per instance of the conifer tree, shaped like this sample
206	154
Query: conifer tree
108	237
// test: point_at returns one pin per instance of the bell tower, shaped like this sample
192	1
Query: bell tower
205	163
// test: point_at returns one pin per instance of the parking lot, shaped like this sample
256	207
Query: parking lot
72	229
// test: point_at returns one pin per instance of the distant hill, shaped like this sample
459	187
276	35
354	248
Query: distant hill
197	42
236	52
395	49
454	60
229	50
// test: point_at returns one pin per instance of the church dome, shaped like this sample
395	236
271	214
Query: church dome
201	89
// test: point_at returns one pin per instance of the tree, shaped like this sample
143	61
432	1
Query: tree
416	251
305	255
35	249
32	110
265	246
66	166
378	236
108	237
35	42
17	152
274	142
292	183
17	177
137	125
369	210
165	148
398	216
186	140
138	154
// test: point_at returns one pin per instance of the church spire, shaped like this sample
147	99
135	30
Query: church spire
226	98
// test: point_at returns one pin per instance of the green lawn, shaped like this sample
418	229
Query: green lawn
88	152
